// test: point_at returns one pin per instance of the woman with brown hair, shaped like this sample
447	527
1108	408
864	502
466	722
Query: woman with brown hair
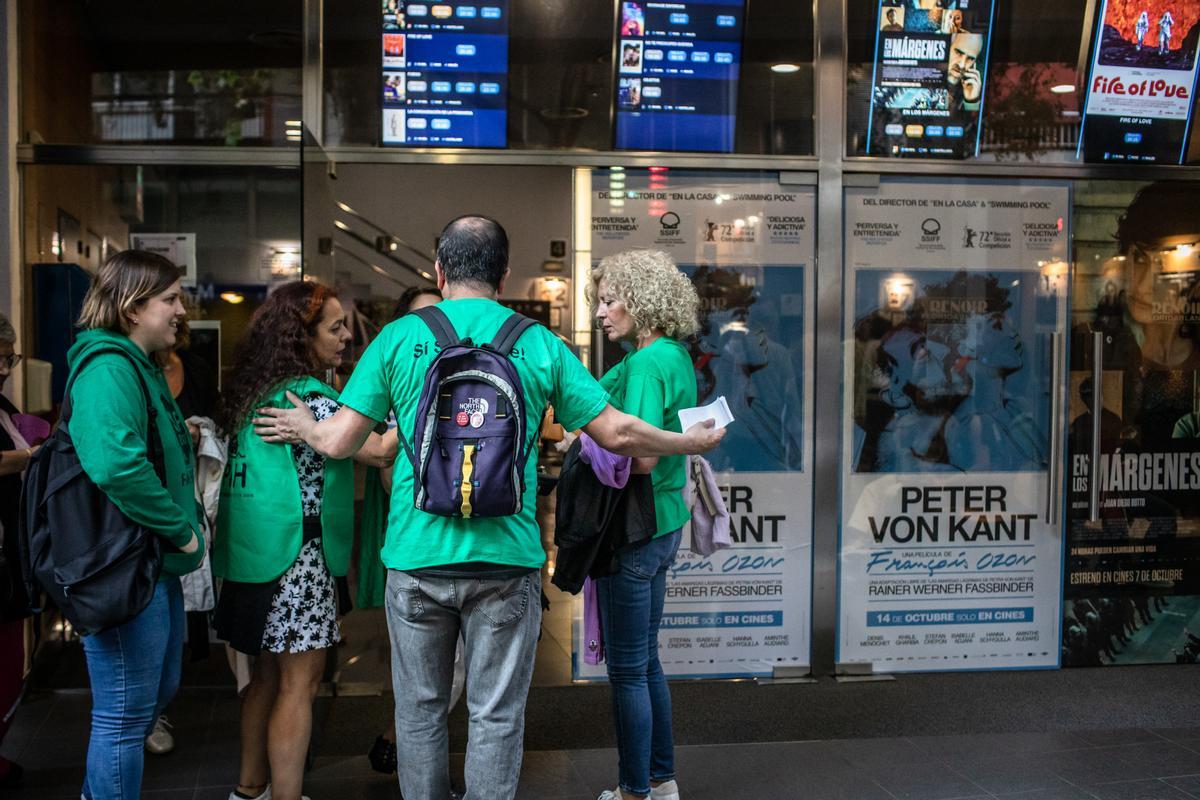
131	312
285	527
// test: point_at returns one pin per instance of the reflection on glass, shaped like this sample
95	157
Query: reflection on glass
127	73
1135	358
943	374
754	357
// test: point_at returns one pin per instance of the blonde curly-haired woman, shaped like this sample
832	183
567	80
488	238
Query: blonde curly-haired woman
642	298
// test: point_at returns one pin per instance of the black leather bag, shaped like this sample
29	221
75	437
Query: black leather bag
94	563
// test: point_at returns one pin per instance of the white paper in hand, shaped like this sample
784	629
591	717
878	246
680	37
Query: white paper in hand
717	411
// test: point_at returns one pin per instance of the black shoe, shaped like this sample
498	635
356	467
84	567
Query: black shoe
382	756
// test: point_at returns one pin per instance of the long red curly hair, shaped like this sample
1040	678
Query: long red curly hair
277	346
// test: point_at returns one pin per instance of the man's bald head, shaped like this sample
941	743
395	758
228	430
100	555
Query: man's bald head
473	249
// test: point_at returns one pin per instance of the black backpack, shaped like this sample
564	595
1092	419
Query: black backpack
95	564
470	445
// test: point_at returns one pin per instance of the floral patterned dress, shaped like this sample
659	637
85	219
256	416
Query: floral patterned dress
303	614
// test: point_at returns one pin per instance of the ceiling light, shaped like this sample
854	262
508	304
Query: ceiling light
1063	88
293	123
233	297
785	69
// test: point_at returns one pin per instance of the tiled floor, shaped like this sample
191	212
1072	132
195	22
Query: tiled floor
50	737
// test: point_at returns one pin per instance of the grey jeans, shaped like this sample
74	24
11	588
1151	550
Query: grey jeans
499	622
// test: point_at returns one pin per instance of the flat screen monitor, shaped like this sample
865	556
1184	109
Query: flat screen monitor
929	78
1142	82
677	75
445	74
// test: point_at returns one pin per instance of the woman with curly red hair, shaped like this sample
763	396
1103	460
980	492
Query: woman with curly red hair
284	531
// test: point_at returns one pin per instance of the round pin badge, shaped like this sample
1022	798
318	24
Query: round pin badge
463	419
477	419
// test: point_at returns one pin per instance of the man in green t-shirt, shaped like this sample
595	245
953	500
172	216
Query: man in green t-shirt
478	576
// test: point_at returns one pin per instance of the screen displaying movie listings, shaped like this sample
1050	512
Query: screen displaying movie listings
1142	82
445	73
930	76
677	74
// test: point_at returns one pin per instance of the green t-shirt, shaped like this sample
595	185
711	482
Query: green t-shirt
390	376
653	384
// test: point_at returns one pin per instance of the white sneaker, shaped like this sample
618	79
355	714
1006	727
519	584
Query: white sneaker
611	794
266	794
160	741
668	790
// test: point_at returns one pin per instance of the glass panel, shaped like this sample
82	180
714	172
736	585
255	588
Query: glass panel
123	73
1133	590
241	225
954	309
1037	71
747	241
560	76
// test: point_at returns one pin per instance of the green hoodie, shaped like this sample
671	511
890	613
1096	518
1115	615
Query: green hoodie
108	427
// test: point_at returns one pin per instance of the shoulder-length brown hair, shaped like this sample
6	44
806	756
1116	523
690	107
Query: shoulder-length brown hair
127	280
277	346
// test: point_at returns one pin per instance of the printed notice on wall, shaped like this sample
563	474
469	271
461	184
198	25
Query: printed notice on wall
950	549
748	244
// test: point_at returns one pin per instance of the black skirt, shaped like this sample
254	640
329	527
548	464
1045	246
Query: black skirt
242	608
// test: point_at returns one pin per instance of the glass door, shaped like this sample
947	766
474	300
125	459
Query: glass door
1132	592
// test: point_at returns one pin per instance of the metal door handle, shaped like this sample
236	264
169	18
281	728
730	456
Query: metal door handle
1054	473
1097	411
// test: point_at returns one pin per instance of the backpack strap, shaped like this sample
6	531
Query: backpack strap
439	323
510	331
154	447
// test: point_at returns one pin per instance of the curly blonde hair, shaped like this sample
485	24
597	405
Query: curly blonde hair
657	295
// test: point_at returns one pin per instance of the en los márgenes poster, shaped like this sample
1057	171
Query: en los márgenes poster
748	243
929	79
1132	592
1143	81
950	557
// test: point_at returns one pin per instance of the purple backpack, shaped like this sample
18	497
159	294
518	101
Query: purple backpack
469	444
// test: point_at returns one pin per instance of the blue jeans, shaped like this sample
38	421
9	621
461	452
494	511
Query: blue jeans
631	607
134	671
499	621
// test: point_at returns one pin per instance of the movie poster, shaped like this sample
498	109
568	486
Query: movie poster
1143	81
950	548
929	79
748	243
1133	558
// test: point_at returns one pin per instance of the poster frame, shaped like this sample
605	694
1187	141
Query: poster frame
1056	485
795	183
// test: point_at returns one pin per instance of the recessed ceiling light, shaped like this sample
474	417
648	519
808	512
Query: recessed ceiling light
1063	88
785	69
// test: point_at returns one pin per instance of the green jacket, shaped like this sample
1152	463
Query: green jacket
108	426
260	521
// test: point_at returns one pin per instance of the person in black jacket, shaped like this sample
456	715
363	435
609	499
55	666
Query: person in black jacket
15	453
